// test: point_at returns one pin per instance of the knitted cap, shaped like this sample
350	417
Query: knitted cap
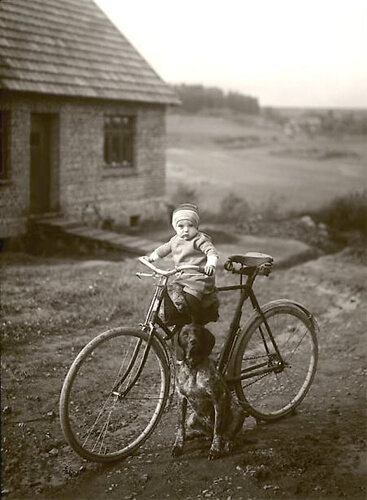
186	211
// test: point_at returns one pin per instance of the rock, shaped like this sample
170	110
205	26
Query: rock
7	411
307	221
51	415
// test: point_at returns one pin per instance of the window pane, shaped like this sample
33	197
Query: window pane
119	141
127	149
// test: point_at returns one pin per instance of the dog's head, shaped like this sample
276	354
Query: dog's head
196	343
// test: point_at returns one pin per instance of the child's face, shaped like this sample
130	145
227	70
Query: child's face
186	229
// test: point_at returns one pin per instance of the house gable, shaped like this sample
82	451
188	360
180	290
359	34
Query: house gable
70	48
82	117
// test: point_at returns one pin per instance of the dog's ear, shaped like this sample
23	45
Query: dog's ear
209	341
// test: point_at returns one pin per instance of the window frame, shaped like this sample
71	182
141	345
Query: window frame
119	135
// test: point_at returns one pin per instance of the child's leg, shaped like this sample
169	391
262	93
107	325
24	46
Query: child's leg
195	307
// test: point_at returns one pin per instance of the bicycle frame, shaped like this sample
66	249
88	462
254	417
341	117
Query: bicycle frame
246	292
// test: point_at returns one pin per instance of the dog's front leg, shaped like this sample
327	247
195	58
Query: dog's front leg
180	434
217	445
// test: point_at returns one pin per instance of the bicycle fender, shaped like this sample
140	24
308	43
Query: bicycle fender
285	302
265	308
166	351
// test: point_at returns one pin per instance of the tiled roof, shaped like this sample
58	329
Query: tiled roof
70	48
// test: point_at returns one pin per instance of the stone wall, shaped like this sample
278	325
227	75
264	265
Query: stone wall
80	181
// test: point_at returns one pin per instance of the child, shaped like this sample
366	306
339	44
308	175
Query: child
191	246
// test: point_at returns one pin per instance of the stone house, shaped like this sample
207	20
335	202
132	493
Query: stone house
82	117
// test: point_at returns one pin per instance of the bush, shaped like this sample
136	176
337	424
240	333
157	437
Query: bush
234	209
271	209
346	214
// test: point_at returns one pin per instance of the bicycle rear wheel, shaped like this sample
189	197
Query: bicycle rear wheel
273	389
107	408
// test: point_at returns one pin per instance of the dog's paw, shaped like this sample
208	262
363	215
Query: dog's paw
228	447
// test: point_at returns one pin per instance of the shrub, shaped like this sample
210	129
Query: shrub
271	209
234	209
346	214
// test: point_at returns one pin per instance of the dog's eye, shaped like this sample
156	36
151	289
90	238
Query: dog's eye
184	335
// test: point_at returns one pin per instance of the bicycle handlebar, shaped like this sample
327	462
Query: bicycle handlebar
170	272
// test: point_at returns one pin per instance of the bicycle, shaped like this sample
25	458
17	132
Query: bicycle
118	387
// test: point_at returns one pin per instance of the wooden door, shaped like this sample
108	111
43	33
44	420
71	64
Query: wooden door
40	178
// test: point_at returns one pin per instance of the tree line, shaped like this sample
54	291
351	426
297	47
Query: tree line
197	98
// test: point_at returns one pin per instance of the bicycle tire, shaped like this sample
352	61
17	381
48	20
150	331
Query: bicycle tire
100	425
274	394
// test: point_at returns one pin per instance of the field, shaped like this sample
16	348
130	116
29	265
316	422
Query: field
258	161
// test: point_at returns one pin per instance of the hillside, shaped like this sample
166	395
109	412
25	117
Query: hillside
254	158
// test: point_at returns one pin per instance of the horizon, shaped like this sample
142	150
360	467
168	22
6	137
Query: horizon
282	107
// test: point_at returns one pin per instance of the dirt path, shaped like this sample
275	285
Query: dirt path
320	452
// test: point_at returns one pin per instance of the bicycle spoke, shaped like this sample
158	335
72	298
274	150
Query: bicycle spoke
112	402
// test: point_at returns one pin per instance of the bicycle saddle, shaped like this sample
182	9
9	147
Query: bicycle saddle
250	259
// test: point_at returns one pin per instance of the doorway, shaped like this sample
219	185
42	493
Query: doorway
40	175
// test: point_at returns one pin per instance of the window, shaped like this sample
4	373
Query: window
119	141
4	167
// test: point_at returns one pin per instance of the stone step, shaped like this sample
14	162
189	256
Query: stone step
57	222
137	245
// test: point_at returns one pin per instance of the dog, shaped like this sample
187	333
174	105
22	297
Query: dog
198	382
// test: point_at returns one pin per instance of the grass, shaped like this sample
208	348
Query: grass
78	295
47	298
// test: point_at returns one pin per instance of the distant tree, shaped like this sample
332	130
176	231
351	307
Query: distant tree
214	98
241	103
197	98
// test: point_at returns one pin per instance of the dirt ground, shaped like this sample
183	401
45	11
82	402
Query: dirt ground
319	452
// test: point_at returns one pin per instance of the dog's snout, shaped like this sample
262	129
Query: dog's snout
192	341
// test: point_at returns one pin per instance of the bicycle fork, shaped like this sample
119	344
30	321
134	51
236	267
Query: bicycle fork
147	326
115	390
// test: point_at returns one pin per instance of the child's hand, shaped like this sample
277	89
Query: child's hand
209	270
152	257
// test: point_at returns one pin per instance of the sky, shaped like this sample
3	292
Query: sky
304	53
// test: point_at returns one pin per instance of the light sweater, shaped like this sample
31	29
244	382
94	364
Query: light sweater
196	252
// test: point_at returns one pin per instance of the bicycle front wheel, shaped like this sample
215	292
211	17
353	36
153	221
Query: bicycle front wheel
271	384
112	399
